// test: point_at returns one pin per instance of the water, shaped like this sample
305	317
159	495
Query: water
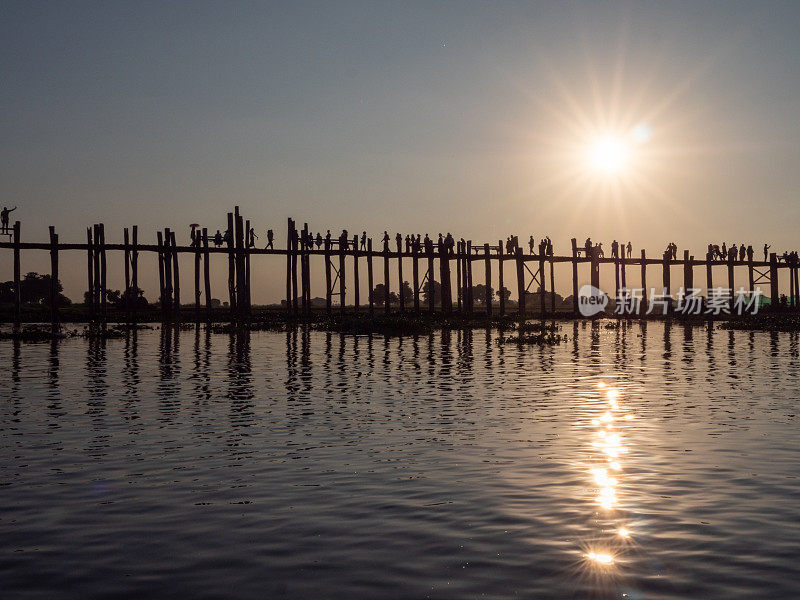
311	465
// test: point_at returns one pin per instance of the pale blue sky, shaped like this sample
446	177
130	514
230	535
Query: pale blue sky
413	116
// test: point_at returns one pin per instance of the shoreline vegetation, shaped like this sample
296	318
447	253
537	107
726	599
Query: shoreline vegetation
534	329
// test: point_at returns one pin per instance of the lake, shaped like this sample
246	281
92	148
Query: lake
640	461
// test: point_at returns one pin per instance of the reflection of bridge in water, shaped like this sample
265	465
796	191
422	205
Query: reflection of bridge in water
534	272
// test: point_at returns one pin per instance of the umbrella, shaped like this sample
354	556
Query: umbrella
194	225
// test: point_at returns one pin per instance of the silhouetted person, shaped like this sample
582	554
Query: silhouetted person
251	241
614	249
530	245
386	241
599	249
630	250
548	246
363	240
270	239
419	242
319	240
766	252
724	251
742	252
344	240
588	246
4	217
226	237
428	243
399	239
408	243
218	239
750	253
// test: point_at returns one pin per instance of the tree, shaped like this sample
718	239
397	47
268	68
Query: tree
377	295
437	291
479	293
34	289
504	292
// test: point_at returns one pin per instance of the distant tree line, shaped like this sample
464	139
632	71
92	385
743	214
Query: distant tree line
35	289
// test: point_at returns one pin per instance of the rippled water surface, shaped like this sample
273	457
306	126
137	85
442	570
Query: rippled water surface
647	461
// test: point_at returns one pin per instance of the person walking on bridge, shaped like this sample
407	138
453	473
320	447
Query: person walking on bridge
766	252
270	239
530	245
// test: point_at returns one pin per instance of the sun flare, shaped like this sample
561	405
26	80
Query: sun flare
609	155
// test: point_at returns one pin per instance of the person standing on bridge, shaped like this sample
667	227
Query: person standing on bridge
4	218
750	253
588	247
614	249
742	252
630	250
399	240
531	244
363	240
766	252
386	241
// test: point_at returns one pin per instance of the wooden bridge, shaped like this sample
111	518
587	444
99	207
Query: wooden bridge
340	254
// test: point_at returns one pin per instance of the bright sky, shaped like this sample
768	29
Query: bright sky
474	118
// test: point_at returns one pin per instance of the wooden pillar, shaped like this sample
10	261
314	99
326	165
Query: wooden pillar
135	272
773	280
542	287
622	271
356	282
127	293
688	275
103	271
750	274
709	275
96	247
594	266
53	277
196	241
304	296
370	279
444	277
90	279
730	281
665	278
643	306
431	288
176	286
161	279
459	292
500	283
552	287
468	278
241	284
415	275
386	278
168	271
17	277
206	273
289	236
328	290
342	286
520	282
401	293
231	266
488	262
616	275
574	276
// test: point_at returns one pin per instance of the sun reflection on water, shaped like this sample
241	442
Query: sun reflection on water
608	445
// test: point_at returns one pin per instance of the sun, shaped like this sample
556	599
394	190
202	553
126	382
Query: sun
609	155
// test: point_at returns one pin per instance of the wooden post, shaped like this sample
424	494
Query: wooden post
127	294
415	275
53	277
162	297
197	240
289	268
103	271
688	275
167	255
773	280
304	296
468	278
401	292
206	273
431	288
574	276
488	263
750	275
231	267
328	290
520	282
643	307
241	292
622	271
90	265
730	281
542	287
665	279
459	291
386	278
135	272
444	278
500	263
616	275
17	277
370	279
96	290
342	286
356	283
552	287
176	286
709	275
